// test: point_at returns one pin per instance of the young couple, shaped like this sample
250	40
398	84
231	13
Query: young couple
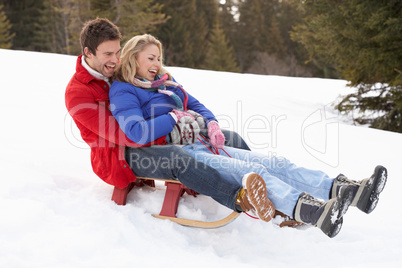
157	119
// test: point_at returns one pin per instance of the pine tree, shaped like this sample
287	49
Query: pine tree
259	33
137	17
227	19
5	27
363	38
252	25
23	16
209	10
53	34
220	55
275	41
184	34
133	17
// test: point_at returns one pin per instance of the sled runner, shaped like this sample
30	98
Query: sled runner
174	190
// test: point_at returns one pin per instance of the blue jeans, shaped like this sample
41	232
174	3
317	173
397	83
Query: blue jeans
169	161
285	181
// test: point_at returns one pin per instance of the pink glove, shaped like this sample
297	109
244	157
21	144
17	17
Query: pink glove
216	137
180	114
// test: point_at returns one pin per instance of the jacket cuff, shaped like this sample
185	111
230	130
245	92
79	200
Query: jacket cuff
174	116
211	120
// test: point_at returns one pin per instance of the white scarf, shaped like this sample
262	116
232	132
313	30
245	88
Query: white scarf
93	72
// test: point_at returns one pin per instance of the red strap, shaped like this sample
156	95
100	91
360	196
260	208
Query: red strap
206	145
251	216
216	150
226	152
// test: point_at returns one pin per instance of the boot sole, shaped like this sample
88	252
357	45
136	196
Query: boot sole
257	195
332	220
371	191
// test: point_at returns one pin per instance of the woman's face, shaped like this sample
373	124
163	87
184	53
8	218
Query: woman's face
148	62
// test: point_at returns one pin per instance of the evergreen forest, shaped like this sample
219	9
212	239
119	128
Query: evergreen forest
356	40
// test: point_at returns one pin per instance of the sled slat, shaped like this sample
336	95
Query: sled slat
201	224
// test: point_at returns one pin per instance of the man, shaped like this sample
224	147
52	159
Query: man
87	100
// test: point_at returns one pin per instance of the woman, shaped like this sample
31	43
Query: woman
148	103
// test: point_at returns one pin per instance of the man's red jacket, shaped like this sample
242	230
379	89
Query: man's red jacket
87	101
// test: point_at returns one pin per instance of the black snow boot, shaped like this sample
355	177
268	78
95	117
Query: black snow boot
328	216
365	192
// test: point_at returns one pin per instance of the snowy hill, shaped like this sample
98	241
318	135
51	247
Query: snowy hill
55	212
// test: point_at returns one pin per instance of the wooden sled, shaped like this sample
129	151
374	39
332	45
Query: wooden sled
174	190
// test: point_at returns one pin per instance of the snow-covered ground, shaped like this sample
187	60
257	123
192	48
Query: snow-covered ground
55	212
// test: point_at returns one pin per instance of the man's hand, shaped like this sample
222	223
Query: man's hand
180	114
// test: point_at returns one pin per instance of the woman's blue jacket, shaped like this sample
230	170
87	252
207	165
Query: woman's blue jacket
144	115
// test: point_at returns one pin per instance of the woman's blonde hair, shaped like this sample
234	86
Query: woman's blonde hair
127	67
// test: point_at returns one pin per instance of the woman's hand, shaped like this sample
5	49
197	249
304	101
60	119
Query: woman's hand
216	137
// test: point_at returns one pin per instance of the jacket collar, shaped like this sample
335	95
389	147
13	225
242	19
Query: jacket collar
86	74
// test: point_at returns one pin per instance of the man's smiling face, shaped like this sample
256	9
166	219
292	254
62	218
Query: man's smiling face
106	58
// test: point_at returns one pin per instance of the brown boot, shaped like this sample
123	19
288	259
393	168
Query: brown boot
253	197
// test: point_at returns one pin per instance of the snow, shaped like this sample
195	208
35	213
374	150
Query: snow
55	212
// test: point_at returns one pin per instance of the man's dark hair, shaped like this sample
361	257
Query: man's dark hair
96	32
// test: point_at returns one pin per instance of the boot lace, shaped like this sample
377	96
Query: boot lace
313	201
344	180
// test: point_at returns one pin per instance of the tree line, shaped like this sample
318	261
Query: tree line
232	35
357	40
